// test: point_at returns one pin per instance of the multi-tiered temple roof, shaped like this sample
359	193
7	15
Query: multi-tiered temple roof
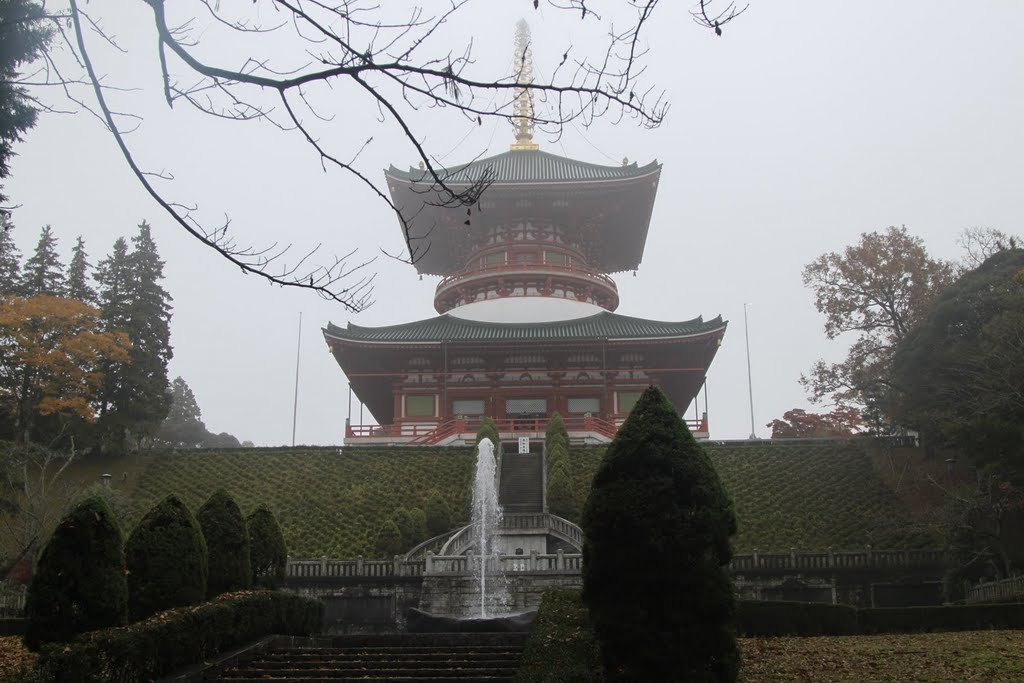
528	326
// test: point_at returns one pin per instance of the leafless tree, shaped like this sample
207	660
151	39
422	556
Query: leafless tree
980	243
273	57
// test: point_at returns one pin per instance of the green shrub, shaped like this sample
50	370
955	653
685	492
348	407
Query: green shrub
412	526
389	540
166	559
227	542
489	429
179	637
79	584
944	618
656	542
556	433
561	497
786	618
561	646
268	553
439	514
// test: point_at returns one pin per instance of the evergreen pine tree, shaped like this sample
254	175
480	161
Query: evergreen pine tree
43	272
656	543
149	328
78	286
10	258
133	300
113	275
183	427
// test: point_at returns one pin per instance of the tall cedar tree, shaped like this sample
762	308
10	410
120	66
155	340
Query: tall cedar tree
183	427
43	272
10	259
136	399
78	286
79	584
227	542
268	552
167	560
23	36
656	541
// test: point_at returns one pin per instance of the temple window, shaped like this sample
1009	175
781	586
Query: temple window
468	406
420	406
580	405
495	258
554	257
625	400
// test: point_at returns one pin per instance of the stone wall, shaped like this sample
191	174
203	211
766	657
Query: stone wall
458	596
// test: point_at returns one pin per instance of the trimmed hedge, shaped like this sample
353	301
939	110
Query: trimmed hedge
227	542
166	560
782	618
79	583
180	637
561	646
268	553
786	618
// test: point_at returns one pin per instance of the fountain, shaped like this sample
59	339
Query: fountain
486	523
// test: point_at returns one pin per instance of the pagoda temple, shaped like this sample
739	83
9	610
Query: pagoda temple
527	324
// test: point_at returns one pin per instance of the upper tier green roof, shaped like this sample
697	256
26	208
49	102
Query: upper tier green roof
525	166
449	328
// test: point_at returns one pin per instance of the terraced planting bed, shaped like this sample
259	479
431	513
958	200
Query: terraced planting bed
328	503
802	496
331	503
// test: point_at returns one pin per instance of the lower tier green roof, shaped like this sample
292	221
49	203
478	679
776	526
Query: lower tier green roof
450	328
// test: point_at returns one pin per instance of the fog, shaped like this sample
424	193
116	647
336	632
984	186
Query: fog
803	126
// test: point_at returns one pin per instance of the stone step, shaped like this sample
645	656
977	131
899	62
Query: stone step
382	657
472	673
383	661
522	482
365	679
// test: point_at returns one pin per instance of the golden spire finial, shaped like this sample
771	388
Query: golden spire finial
522	105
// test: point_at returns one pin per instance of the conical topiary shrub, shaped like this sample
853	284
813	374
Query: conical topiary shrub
489	430
439	514
227	542
556	432
268	553
656	541
79	584
167	560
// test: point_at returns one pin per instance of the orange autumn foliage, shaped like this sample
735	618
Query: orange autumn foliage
52	355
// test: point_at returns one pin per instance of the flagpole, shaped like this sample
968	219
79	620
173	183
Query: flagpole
750	384
295	405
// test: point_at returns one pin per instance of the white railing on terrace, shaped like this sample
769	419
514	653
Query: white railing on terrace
1005	590
571	563
538	521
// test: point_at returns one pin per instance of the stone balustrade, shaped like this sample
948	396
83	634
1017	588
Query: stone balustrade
1005	590
571	563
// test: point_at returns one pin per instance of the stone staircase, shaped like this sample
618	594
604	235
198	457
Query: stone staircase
394	657
522	483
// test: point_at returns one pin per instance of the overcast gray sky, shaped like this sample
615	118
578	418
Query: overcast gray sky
804	126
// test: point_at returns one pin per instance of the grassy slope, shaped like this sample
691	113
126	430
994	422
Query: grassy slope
803	496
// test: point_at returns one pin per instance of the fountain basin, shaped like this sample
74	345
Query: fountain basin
418	621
